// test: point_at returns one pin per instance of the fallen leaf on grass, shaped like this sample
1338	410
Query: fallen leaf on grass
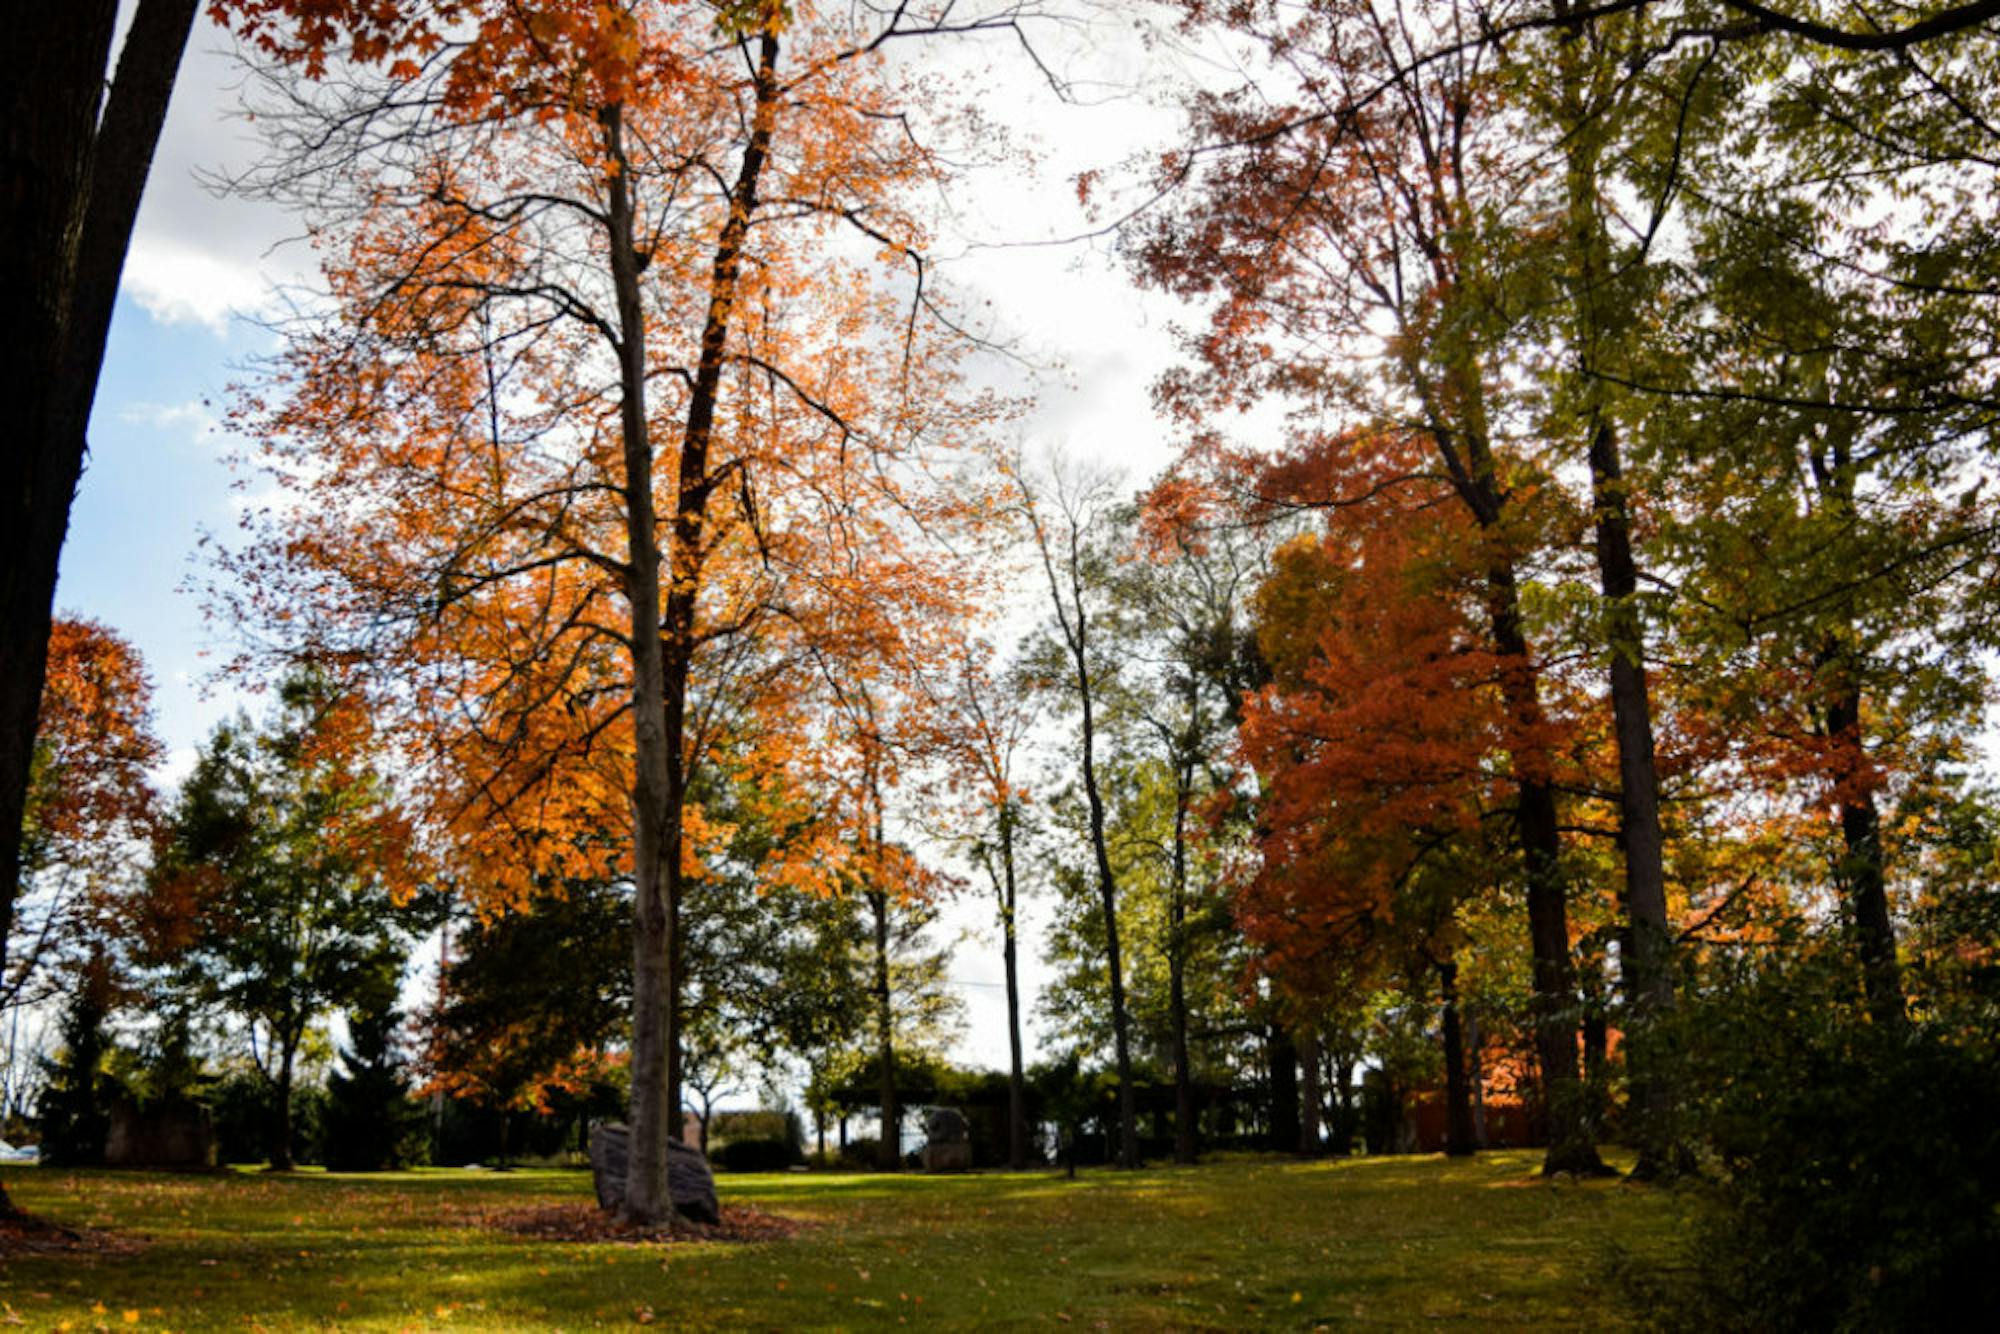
589	1224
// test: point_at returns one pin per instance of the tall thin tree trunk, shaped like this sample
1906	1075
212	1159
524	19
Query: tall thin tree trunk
1343	1105
1468	458
1283	1056
1017	1101
1863	872
1107	888
1572	1146
1184	1127
1647	966
1073	615
1309	1091
654	835
1459	1140
73	165
663	639
889	1152
1476	1070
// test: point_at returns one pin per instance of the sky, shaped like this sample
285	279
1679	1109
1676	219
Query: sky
202	270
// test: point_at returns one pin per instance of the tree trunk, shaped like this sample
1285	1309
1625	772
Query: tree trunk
1865	876
1107	888
281	1146
1284	1109
1647	965
1017	1101
1184	1128
655	842
73	166
1344	1115
1572	1146
889	1152
1309	1093
1468	458
663	641
1476	1069
1459	1140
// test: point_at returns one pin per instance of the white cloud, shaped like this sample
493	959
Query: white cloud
194	418
177	283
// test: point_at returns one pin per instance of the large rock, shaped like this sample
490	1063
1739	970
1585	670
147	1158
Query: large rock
946	1148
689	1182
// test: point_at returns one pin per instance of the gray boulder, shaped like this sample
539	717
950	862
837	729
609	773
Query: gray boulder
689	1182
946	1148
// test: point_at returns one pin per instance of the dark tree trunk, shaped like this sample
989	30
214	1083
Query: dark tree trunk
1647	962
73	165
1284	1062
1476	1069
889	1152
1572	1145
1072	614
1184	1115
1345	1116
1107	886
655	835
1459	1140
1646	966
281	1112
1309	1093
1864	875
1468	459
1017	1099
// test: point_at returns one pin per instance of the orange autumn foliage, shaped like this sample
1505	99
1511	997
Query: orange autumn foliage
453	444
94	748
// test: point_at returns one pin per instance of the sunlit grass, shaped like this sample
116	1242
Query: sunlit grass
1283	1244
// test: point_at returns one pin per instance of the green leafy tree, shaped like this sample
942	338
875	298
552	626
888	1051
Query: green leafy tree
276	882
74	1114
371	1122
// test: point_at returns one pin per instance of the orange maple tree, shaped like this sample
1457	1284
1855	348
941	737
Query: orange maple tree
91	802
636	408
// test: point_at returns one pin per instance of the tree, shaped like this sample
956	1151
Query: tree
90	806
534	1002
1184	598
75	158
1379	745
647	284
371	1121
1315	235
73	1114
280	875
1070	527
992	712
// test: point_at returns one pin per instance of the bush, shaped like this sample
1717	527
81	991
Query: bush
859	1155
1853	1167
755	1155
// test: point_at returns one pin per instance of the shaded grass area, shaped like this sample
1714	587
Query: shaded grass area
1385	1241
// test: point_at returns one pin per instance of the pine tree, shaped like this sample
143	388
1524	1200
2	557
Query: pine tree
372	1123
74	1114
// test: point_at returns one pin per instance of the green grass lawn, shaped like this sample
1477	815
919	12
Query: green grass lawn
1385	1241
